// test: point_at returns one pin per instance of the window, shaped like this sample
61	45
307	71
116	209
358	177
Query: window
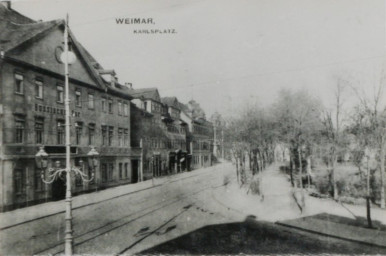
120	171
103	101
78	132
91	101
104	172
104	135
19	130
111	171
126	137
111	133
110	106
59	94
120	137
91	134
145	105
39	89
119	108
19	83
126	170
78	98
125	109
39	125
20	181
60	133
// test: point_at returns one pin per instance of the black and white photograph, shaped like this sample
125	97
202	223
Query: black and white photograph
192	127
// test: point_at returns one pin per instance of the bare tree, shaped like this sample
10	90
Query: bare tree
373	119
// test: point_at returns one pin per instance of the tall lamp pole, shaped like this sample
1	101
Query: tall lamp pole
67	58
68	232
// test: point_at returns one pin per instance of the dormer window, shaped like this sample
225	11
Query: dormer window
19	83
110	106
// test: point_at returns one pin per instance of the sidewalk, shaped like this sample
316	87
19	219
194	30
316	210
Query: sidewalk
336	229
321	216
18	216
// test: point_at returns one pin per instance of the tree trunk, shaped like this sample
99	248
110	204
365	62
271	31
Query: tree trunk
292	165
237	169
250	161
308	171
333	164
382	155
301	177
300	169
368	207
261	178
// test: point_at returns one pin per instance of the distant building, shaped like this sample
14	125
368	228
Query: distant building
199	136
162	133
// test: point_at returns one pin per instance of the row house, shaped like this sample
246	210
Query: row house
32	114
199	136
160	132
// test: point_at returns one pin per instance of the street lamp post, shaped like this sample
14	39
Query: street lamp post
53	173
66	58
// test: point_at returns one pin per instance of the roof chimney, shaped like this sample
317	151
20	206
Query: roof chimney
7	4
114	79
129	85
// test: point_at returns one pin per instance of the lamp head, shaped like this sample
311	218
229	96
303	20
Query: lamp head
41	158
92	160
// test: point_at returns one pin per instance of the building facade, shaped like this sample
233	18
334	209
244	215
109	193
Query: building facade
138	134
161	132
32	115
199	136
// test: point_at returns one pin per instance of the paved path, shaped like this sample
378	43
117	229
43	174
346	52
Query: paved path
279	206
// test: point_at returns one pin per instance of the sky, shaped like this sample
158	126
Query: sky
226	54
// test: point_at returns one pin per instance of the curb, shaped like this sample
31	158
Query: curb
327	235
77	207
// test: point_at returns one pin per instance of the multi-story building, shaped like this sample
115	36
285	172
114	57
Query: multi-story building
138	135
177	131
32	114
199	135
162	133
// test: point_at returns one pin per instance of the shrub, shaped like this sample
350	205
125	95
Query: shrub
226	180
254	187
322	184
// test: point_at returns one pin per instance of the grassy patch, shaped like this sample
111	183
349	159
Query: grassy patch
351	183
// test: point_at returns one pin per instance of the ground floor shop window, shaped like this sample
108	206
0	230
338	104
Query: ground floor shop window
110	172
20	181
120	171
104	172
126	170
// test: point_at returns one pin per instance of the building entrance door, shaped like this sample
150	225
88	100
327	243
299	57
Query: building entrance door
59	188
134	171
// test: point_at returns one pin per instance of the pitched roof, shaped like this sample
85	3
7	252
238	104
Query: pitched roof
13	35
170	101
147	93
14	16
16	30
184	108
